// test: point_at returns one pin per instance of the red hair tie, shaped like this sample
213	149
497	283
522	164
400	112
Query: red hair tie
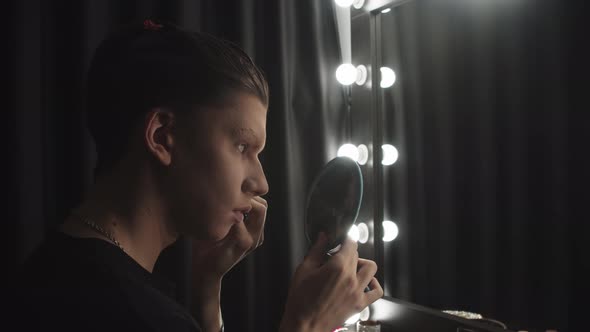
150	25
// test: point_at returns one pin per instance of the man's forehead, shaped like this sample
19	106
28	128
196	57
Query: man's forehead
242	115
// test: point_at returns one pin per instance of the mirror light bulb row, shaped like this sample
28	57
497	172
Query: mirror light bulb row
347	74
360	153
360	232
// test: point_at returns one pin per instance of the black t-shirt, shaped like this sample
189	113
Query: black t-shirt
87	284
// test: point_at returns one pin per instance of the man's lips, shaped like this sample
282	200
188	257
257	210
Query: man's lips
239	213
245	209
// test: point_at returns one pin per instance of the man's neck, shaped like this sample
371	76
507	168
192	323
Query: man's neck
133	215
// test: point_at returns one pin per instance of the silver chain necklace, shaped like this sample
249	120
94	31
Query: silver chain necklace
108	234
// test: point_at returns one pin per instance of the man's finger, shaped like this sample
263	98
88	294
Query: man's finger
256	219
375	293
366	271
261	238
261	200
349	251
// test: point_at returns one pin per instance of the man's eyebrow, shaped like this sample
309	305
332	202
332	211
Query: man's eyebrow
248	132
240	132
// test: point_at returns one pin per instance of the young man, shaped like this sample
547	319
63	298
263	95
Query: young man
179	119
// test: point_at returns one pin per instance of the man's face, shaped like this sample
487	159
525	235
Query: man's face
215	170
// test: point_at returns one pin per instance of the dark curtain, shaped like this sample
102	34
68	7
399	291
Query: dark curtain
52	159
482	113
577	26
495	172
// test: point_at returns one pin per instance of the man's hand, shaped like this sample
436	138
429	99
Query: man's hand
211	261
214	260
324	294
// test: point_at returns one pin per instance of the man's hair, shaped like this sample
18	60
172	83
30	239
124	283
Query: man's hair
155	64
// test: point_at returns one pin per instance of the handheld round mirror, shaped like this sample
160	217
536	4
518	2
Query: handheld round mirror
333	202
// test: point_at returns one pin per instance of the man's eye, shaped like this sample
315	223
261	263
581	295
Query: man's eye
242	147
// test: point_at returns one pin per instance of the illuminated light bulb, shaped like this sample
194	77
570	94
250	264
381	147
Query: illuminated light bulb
344	3
386	10
390	231
346	74
353	319
349	150
363	152
353	233
347	3
363	230
390	154
365	314
387	77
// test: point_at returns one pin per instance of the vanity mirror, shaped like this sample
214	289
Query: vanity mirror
334	201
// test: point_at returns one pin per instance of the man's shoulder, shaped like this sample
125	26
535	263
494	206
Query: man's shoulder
83	281
57	258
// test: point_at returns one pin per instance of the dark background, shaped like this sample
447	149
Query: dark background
50	159
482	113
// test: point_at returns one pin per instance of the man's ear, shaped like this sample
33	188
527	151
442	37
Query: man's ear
158	136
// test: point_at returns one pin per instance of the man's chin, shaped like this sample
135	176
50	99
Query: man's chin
210	237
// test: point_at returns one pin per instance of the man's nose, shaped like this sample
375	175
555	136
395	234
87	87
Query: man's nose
256	183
